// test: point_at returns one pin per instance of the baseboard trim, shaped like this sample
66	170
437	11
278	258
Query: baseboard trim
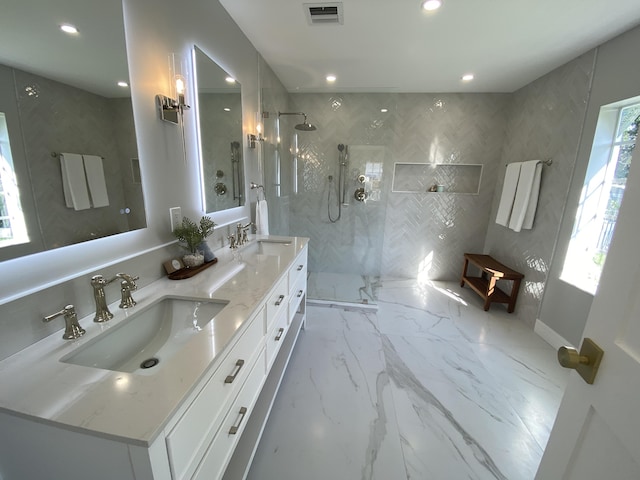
549	335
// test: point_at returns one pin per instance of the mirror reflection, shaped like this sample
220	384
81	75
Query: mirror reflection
69	168
220	126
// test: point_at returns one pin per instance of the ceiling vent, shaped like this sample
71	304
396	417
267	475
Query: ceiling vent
324	13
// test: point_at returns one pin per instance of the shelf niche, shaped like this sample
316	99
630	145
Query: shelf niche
459	178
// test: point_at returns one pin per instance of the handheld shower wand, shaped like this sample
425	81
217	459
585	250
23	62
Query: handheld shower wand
343	166
341	187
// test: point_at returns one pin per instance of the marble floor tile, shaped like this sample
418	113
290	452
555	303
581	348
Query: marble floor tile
449	408
532	382
334	416
429	386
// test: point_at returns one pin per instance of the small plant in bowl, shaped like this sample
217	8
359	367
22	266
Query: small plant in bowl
191	236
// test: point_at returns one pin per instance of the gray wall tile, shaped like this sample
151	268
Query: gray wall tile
545	120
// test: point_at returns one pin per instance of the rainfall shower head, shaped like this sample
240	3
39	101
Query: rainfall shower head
304	126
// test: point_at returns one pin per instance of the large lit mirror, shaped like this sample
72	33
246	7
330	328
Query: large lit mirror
69	168
220	131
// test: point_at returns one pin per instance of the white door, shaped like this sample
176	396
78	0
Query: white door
596	435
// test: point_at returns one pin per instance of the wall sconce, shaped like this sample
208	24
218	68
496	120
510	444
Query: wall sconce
251	138
172	107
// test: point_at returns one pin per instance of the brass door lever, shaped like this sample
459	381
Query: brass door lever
586	362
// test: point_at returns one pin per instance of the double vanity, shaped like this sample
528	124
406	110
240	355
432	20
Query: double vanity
177	387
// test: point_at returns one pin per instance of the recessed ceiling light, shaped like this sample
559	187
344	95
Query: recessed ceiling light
384	110
467	77
123	84
431	5
226	109
331	78
67	28
230	80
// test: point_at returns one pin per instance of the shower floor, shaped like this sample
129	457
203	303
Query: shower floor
342	288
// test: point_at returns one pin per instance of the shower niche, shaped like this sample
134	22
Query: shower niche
457	178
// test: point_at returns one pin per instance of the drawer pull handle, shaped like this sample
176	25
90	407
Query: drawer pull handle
300	292
234	429
280	332
300	267
232	377
279	301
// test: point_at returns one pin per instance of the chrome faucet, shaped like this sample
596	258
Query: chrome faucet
72	329
98	283
127	285
245	231
241	233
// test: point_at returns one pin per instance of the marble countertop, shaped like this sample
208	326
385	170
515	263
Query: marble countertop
130	406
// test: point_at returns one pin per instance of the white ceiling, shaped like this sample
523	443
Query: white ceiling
94	60
394	46
383	46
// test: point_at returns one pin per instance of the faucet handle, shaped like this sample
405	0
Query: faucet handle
98	281
128	280
72	328
127	285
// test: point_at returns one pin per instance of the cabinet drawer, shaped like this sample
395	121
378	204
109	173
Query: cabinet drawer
187	440
297	294
277	302
219	451
299	269
275	337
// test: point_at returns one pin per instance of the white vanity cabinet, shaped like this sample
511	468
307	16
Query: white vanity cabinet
281	338
191	435
214	428
200	420
220	450
297	279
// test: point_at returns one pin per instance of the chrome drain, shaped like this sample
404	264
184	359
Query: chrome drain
149	363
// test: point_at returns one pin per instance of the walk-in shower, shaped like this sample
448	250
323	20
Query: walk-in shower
304	126
343	155
344	250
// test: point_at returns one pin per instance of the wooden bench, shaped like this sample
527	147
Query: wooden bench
485	285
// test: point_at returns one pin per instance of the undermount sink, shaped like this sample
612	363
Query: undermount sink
281	241
148	337
272	247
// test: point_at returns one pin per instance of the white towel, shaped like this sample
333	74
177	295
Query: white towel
262	218
508	193
95	179
74	181
526	201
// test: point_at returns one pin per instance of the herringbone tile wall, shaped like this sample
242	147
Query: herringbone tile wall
395	234
411	234
545	121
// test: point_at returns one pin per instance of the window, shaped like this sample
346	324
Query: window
13	230
601	195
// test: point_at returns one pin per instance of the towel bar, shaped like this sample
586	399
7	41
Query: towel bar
548	162
56	155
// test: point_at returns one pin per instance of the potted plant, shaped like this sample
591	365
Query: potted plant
191	236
